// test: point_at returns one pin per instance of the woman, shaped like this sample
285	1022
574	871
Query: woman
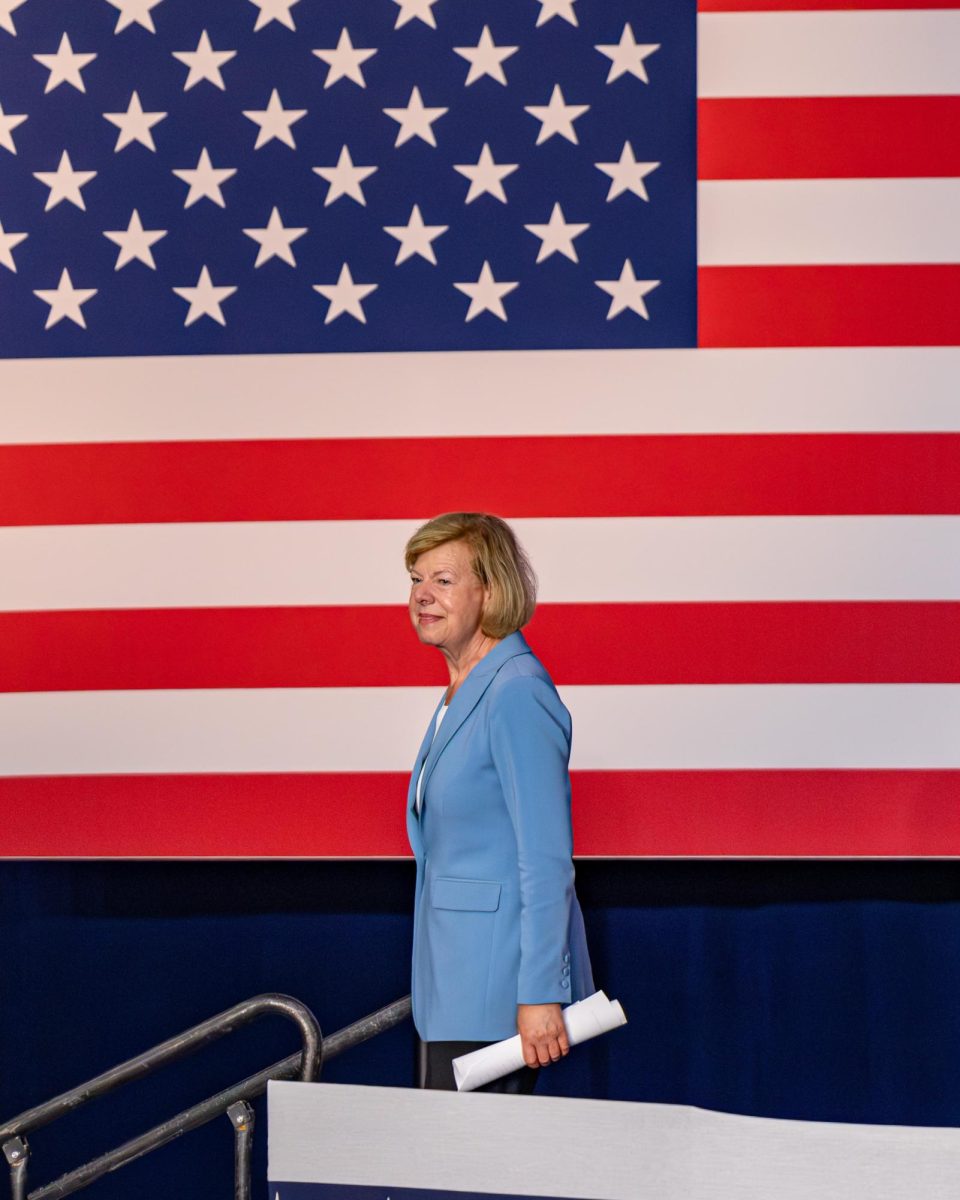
498	943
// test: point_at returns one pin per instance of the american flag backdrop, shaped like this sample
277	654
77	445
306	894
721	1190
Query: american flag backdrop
675	292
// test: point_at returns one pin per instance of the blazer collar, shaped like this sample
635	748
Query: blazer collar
465	700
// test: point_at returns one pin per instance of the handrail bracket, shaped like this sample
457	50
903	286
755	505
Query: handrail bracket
17	1153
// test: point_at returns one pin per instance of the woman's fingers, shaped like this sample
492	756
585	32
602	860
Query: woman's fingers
541	1051
530	1054
547	1050
543	1037
558	1046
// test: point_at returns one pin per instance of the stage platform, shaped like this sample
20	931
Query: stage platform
339	1142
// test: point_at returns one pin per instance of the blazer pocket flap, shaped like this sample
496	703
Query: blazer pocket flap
472	895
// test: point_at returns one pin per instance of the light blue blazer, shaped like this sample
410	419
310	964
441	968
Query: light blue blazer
496	917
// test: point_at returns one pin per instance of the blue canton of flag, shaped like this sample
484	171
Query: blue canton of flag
283	175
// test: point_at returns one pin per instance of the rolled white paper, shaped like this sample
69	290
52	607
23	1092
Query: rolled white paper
583	1020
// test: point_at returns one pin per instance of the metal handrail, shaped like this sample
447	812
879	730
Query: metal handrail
173	1048
232	1101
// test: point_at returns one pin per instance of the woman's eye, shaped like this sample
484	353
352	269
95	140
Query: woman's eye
444	581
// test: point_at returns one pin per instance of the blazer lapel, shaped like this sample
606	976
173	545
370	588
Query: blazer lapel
466	699
421	756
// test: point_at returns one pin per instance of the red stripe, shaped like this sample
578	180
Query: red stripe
829	137
616	814
829	306
915	642
818	5
381	478
775	813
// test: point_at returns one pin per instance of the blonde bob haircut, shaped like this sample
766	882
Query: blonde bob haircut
499	562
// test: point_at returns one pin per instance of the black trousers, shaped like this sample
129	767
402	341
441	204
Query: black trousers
435	1069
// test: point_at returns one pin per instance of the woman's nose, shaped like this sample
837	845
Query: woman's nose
422	594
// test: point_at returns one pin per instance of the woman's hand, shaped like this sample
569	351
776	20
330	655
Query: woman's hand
542	1034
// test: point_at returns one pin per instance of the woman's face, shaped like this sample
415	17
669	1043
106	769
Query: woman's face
446	597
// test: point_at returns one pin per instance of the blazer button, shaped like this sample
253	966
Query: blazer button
566	957
565	983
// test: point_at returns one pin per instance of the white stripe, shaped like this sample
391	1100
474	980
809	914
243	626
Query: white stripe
752	222
529	392
868	53
690	727
577	560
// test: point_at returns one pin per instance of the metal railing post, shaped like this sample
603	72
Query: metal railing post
242	1119
17	1153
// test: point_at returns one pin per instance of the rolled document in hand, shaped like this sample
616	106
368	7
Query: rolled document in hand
583	1020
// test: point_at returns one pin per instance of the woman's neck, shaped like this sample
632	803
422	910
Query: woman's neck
462	661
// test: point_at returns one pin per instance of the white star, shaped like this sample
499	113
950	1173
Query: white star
422	10
8	242
6	20
65	300
274	10
275	121
8	123
275	240
345	296
626	56
134	124
205	298
556	8
415	237
134	11
344	61
415	120
556	237
64	66
486	295
64	183
204	180
626	174
557	116
344	179
627	292
485	58
486	176
135	242
204	63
